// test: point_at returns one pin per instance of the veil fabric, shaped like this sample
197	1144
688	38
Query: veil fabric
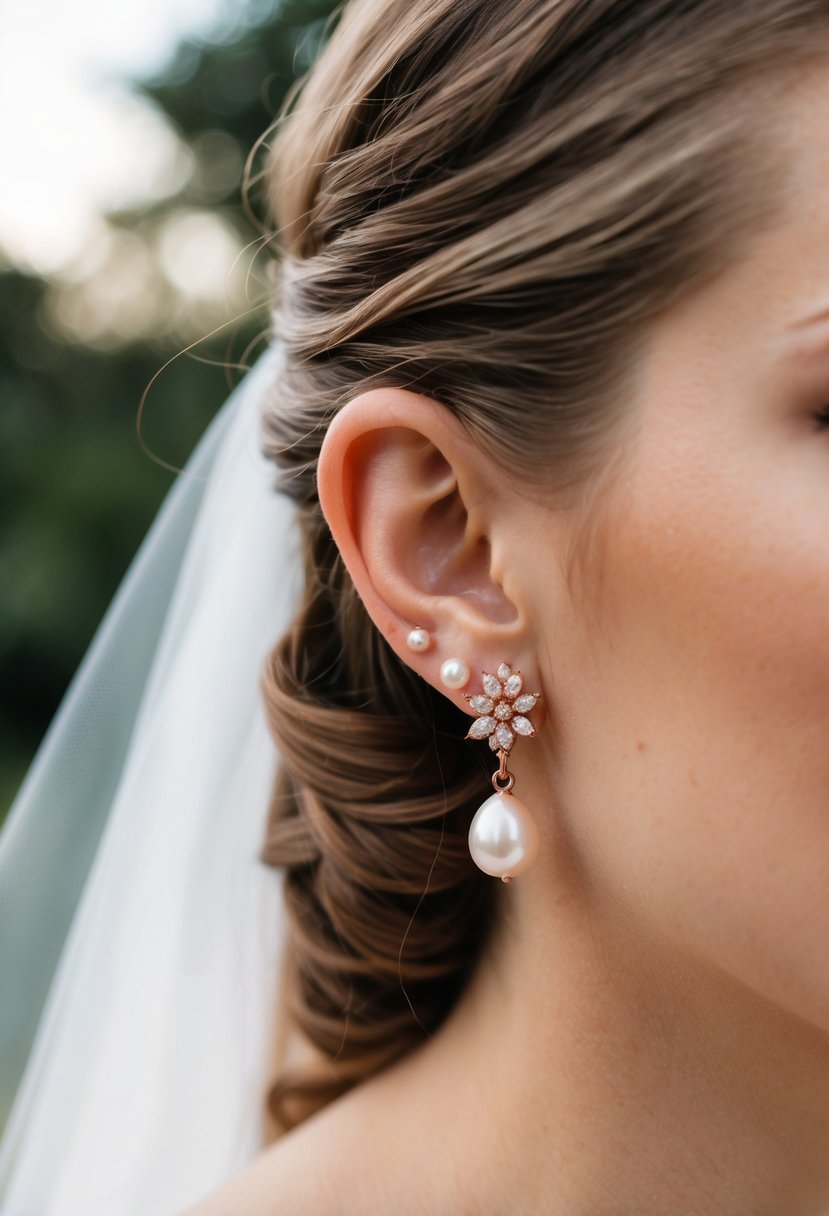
140	936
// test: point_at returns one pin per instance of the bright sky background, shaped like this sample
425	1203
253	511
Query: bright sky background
73	142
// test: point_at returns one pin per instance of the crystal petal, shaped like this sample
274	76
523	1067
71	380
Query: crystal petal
505	737
513	685
481	728
525	702
504	671
481	704
522	726
493	743
492	685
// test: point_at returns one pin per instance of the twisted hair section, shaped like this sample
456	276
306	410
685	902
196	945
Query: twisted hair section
488	202
369	817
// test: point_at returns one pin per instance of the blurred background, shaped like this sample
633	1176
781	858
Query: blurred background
124	131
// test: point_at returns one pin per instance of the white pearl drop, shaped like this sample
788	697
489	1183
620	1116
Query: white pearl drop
503	836
455	673
418	639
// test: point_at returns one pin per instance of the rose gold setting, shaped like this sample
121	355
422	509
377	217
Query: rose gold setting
502	771
502	710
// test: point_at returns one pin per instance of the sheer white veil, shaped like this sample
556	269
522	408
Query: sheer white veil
140	936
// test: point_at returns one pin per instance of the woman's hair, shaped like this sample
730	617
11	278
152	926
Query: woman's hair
488	202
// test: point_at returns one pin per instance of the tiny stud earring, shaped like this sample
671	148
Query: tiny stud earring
455	673
418	639
503	835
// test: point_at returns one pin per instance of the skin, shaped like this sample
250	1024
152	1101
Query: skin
649	1032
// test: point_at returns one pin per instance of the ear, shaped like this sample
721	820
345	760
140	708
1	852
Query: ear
414	507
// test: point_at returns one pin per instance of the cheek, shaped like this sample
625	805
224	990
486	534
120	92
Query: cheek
698	714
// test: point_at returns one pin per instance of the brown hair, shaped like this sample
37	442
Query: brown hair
486	201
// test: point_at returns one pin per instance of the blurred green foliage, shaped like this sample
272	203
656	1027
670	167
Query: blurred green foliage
78	490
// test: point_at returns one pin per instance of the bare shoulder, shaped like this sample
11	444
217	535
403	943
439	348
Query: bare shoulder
362	1154
292	1177
314	1170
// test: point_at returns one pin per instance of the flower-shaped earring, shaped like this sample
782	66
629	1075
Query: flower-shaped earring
503	836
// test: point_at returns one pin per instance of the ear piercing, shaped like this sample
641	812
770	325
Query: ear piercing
454	673
418	639
503	835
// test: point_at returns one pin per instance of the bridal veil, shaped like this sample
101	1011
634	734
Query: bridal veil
140	935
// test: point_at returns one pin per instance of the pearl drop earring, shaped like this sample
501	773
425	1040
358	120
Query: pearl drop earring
503	835
418	639
455	673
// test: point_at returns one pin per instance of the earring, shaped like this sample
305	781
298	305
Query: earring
455	673
503	835
418	639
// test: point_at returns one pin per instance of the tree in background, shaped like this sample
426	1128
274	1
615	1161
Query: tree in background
77	350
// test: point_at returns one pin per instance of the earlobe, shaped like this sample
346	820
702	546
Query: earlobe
405	494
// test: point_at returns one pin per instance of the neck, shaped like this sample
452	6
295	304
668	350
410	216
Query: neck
611	1075
589	1068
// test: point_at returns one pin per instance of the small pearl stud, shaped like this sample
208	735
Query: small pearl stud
454	673
418	639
